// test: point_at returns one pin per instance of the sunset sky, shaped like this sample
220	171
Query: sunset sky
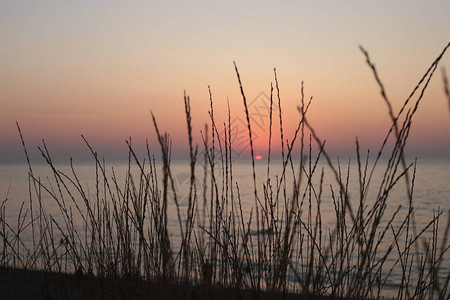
99	68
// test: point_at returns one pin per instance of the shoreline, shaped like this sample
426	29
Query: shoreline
16	283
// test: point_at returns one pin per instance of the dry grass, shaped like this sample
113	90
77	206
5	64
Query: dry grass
280	245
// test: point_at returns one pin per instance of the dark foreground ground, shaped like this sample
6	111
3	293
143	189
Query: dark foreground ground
27	284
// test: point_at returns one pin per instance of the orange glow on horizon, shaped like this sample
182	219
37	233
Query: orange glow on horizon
104	76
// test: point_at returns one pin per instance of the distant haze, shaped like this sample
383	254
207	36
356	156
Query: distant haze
99	68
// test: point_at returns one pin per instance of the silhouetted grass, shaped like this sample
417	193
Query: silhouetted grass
121	233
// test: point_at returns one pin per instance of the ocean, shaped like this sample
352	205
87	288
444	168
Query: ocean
430	185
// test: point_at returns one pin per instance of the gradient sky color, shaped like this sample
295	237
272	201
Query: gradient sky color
98	68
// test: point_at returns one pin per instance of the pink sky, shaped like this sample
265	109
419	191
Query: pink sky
99	68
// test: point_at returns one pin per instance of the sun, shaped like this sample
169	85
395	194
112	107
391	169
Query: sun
258	157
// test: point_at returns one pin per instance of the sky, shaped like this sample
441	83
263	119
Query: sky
100	68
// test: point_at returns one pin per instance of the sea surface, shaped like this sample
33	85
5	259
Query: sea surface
430	181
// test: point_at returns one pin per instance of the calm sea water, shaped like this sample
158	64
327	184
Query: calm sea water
431	190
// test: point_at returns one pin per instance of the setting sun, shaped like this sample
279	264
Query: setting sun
258	157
